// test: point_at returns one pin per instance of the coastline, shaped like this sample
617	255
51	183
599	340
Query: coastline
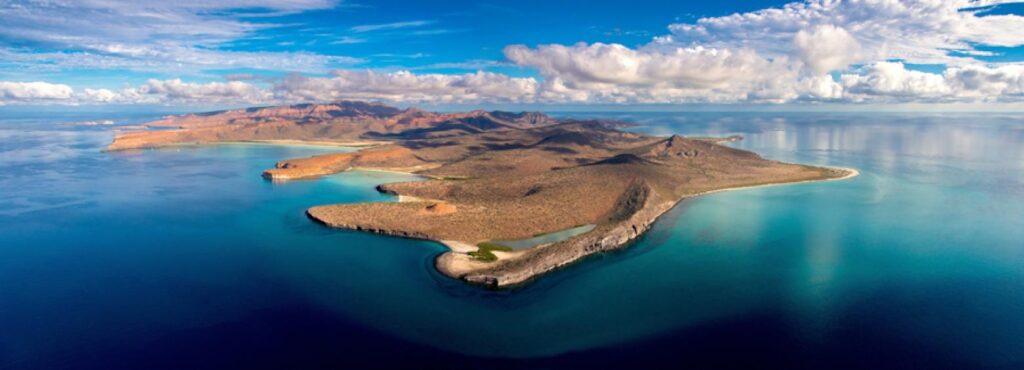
354	145
521	266
525	174
601	239
320	143
850	173
629	216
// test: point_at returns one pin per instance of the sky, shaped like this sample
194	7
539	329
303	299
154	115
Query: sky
527	53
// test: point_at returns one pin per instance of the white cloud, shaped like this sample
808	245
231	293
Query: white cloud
779	55
785	54
212	92
401	86
152	92
99	96
917	31
889	81
405	86
827	48
165	36
348	40
388	26
882	82
892	80
33	92
1003	83
77	23
172	59
615	73
613	64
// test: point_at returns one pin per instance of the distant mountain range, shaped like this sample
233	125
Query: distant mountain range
343	122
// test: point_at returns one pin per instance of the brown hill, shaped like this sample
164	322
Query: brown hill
341	122
515	184
492	176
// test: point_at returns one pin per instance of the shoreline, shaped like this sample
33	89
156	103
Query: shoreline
618	181
576	249
509	270
354	145
851	173
520	266
641	207
320	143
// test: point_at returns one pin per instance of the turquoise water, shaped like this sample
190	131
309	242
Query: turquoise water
186	258
546	238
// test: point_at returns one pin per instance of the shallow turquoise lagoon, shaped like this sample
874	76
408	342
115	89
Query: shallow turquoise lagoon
185	257
546	238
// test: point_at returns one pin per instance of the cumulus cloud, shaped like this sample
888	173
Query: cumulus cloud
33	92
407	86
401	86
892	81
600	64
888	79
858	51
786	54
212	92
615	73
881	82
98	96
827	48
916	31
1004	83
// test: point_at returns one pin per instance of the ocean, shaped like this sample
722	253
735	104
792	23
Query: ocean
185	257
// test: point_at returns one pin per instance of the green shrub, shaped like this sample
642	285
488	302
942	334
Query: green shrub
484	251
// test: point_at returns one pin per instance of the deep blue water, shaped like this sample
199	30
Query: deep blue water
186	258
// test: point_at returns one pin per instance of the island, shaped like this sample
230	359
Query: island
512	195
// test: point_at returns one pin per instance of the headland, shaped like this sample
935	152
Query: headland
492	176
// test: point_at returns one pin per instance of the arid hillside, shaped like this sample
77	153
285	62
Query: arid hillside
341	122
491	176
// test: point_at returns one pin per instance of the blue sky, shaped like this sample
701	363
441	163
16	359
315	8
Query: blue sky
244	52
452	36
444	37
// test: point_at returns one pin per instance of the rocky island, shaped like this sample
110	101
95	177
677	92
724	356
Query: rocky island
491	177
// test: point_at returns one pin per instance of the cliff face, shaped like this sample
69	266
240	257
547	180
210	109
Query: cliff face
344	121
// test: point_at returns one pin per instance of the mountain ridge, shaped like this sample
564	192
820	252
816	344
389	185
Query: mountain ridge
342	121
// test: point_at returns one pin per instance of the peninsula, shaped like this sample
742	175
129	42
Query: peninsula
491	177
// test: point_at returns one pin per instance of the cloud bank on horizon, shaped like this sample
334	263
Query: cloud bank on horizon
832	51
